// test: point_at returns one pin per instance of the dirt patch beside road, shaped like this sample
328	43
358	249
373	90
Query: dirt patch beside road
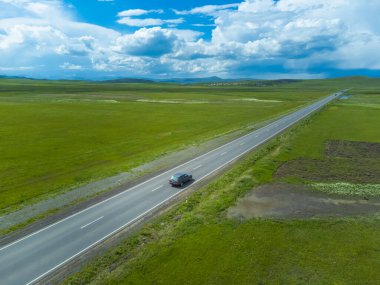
298	201
350	149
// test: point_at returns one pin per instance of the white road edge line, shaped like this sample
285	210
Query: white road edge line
170	170
159	187
199	166
86	225
162	202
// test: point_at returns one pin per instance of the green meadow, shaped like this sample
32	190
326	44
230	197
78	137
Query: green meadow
57	135
196	243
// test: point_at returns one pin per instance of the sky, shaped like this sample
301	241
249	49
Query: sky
101	39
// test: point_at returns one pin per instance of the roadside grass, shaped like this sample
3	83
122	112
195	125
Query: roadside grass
263	252
196	244
56	136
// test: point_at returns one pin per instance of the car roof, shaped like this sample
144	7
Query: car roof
179	174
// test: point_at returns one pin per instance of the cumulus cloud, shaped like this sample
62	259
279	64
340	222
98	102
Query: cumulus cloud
258	38
16	68
211	10
128	17
152	42
39	32
293	36
135	22
70	66
138	12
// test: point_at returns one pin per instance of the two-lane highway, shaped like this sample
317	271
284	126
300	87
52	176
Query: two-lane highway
31	258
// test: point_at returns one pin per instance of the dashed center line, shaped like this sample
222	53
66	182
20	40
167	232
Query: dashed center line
223	153
199	166
86	225
159	187
243	143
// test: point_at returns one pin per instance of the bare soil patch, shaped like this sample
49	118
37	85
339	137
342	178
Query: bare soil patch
355	162
298	202
351	149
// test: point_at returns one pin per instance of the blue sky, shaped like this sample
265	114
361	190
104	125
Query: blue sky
99	39
104	13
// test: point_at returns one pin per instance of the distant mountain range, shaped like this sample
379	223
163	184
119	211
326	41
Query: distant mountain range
214	80
141	80
13	77
172	80
198	80
129	80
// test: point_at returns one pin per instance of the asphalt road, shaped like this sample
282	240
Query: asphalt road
31	258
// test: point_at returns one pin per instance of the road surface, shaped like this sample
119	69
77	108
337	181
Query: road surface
31	258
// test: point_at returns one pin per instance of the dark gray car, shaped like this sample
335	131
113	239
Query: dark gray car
179	179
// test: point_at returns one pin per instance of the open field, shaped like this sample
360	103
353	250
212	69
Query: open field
197	243
58	135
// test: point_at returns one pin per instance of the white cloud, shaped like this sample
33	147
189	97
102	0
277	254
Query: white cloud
35	32
135	22
207	9
33	36
203	25
291	34
151	42
138	12
258	38
70	66
128	17
16	68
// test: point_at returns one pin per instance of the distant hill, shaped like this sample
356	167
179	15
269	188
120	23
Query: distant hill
253	82
198	80
271	82
128	80
13	77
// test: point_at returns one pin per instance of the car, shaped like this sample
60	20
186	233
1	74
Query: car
179	179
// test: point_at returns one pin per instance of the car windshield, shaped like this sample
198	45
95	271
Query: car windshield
176	176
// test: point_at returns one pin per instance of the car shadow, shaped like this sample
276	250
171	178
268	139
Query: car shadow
187	184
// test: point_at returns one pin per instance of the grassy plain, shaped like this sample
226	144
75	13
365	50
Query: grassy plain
58	135
196	244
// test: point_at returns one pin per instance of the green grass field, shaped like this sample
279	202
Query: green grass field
265	252
195	243
58	135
